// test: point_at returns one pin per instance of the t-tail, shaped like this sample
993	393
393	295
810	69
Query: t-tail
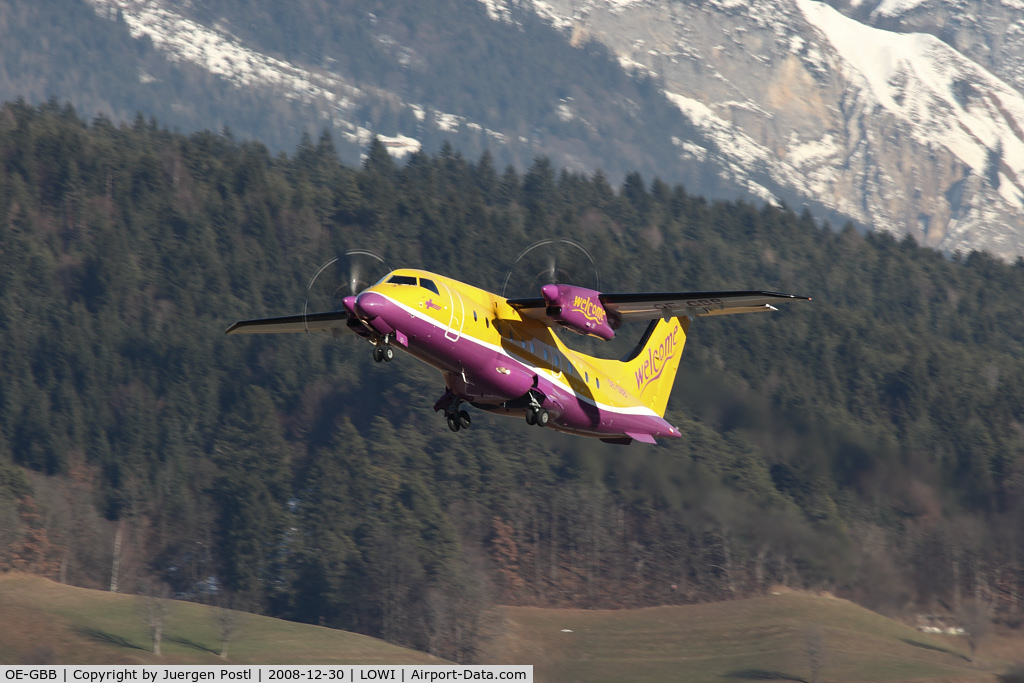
649	371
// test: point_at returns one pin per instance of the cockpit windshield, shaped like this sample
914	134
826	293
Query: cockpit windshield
429	284
402	280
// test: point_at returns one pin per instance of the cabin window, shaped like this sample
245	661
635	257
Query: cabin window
598	380
402	280
474	317
587	376
532	350
556	358
487	323
429	284
545	351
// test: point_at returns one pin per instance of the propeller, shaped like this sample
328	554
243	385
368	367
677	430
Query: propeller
345	275
555	260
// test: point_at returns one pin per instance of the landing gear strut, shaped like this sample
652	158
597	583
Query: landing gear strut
535	415
383	352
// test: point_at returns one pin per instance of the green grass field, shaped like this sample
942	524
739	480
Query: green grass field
767	638
43	621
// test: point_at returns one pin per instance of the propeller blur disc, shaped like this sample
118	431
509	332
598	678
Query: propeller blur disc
550	261
341	276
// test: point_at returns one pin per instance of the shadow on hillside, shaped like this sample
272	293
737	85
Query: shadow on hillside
936	648
111	638
188	643
762	675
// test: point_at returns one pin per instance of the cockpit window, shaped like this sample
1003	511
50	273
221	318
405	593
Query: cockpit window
429	284
402	280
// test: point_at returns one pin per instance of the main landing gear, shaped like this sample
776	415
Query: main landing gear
457	419
535	415
383	352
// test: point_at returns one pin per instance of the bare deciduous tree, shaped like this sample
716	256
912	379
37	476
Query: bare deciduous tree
814	645
227	621
155	611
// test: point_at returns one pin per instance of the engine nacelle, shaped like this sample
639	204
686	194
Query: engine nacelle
578	309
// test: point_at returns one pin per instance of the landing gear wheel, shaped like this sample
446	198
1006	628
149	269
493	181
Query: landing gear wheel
453	423
542	418
464	420
531	416
388	353
378	354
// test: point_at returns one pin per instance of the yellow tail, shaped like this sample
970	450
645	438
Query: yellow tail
650	370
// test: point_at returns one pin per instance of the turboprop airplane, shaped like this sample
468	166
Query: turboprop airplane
502	355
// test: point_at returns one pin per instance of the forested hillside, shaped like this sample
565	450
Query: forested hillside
871	442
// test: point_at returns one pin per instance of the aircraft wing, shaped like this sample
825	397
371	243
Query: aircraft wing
629	307
313	322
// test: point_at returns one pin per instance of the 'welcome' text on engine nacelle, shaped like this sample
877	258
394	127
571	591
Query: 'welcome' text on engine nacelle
577	309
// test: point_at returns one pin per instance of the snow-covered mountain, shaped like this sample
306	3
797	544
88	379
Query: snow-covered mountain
903	115
897	129
418	74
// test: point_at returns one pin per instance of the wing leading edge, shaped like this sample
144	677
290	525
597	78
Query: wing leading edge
314	322
630	307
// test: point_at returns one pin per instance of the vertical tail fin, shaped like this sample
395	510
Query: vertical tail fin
649	371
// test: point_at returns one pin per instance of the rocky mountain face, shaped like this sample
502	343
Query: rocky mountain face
418	74
902	115
906	116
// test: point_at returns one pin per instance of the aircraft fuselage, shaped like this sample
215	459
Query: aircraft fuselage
498	361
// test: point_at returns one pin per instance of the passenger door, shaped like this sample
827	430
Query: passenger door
456	313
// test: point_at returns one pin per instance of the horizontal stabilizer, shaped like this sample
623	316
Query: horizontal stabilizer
314	322
641	437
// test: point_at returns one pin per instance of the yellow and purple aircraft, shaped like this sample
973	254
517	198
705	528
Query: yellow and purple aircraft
502	355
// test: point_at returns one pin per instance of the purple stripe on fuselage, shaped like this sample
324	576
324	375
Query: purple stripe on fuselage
473	367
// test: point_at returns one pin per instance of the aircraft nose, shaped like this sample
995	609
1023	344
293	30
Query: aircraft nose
370	304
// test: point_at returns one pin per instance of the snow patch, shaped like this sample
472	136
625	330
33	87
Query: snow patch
498	10
691	149
629	64
221	54
814	151
947	100
564	112
894	8
449	123
400	145
218	52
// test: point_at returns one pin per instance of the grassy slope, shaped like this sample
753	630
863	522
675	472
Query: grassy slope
41	619
754	639
760	638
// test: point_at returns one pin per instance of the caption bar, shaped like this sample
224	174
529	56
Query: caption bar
146	673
